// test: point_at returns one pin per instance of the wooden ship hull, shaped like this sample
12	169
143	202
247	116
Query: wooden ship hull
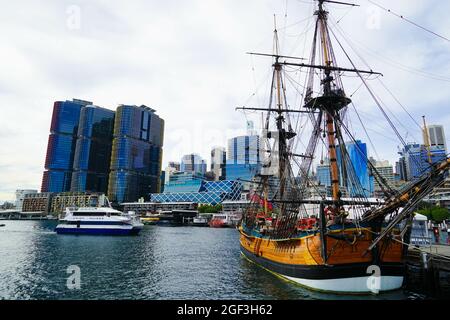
349	267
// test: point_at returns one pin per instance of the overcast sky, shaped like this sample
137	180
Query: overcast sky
187	60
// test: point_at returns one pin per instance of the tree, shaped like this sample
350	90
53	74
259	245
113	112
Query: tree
207	208
436	214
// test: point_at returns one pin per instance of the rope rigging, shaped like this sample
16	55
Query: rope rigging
409	21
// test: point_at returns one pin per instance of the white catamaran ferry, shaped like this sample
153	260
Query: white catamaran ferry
99	221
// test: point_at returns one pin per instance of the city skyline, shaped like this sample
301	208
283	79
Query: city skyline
195	92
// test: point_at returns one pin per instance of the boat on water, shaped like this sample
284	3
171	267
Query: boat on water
346	242
221	220
99	221
201	221
150	219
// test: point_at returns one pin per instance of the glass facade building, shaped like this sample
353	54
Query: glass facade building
357	153
136	156
61	145
416	160
93	150
358	157
184	182
193	163
243	159
324	175
191	188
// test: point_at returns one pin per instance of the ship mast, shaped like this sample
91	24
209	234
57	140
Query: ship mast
280	117
330	112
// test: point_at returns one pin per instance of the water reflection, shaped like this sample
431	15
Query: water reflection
160	263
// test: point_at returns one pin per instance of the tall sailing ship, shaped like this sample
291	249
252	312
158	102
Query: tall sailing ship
346	242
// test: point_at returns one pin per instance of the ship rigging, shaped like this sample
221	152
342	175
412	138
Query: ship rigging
327	243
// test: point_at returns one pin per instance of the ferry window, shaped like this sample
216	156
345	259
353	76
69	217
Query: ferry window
88	214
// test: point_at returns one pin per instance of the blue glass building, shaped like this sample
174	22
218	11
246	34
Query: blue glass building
136	154
358	156
416	160
324	175
243	159
184	182
61	145
191	188
93	150
357	153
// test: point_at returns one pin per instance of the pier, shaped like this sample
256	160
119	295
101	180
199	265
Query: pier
428	270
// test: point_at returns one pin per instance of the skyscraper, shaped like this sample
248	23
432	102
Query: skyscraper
436	136
323	174
61	145
357	153
136	154
386	171
93	150
416	158
218	163
243	159
193	163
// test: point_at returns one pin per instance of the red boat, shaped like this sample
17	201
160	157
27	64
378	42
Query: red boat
221	220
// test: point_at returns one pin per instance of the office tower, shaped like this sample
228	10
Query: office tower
386	171
356	178
243	159
136	154
323	174
436	136
218	163
61	145
93	150
416	159
400	169
193	163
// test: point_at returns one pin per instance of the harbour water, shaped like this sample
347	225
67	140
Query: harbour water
160	263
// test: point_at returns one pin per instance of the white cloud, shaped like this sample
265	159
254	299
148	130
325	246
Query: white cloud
187	60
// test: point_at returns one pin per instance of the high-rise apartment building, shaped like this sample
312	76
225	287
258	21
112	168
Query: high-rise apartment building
61	145
218	163
136	156
93	150
96	150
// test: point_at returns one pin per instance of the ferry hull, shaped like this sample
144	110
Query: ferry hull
345	279
98	231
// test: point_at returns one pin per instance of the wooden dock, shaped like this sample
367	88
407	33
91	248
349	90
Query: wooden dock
428	270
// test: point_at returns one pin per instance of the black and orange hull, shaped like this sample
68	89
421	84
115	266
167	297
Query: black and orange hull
347	268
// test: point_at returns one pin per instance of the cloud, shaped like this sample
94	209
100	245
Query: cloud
187	60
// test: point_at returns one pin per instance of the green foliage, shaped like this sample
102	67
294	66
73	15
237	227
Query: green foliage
436	214
207	208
